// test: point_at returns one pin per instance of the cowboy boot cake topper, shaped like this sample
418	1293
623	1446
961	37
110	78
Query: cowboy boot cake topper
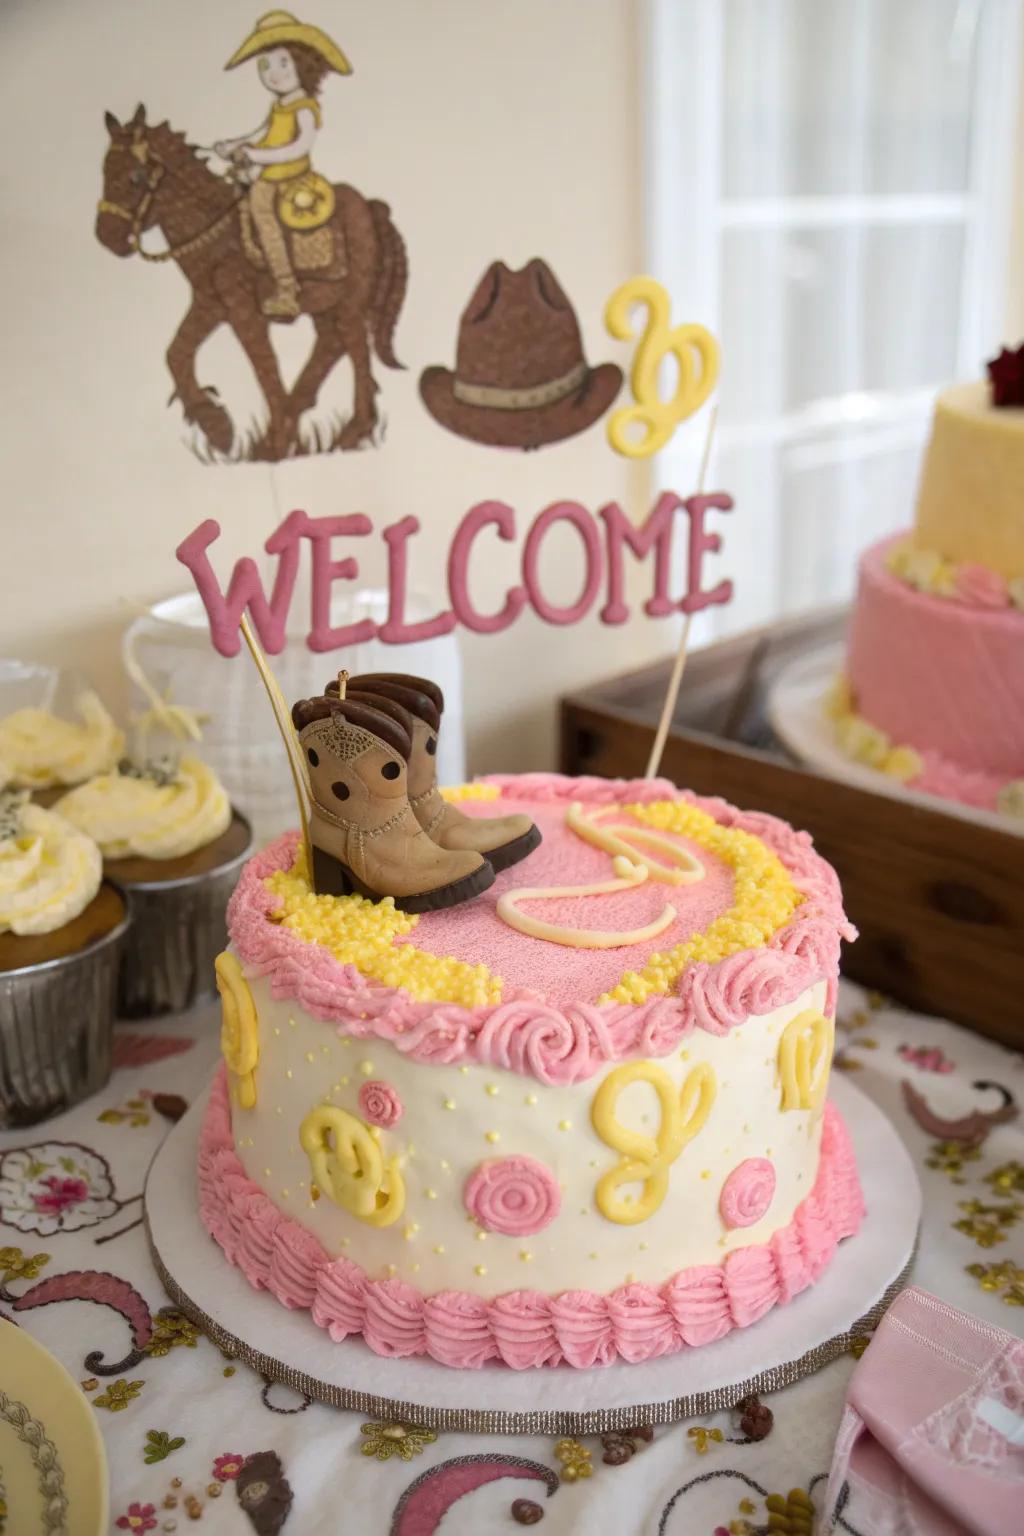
521	378
377	823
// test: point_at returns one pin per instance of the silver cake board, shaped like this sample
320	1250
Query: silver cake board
865	1274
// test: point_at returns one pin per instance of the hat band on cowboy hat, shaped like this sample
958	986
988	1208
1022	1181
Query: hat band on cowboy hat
492	397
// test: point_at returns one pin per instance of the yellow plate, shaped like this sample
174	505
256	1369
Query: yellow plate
35	1385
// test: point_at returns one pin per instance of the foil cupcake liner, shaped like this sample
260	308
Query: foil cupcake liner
179	927
56	1029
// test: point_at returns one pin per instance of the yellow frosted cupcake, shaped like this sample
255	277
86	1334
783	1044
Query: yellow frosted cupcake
61	927
41	752
168	836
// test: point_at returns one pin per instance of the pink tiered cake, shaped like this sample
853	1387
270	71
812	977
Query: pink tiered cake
935	671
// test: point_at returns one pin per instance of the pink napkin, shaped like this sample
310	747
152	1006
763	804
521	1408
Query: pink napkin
931	1441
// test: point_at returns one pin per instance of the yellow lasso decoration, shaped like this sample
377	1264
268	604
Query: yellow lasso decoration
239	1031
688	344
805	1054
646	1160
349	1168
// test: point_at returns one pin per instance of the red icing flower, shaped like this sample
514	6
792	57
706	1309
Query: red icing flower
1007	374
380	1104
59	1194
140	1517
227	1467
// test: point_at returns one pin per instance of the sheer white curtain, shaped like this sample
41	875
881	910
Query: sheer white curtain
830	190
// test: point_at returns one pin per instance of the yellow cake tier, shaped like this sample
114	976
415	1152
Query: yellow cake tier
971	502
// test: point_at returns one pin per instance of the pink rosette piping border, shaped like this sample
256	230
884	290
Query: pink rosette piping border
522	1329
559	1044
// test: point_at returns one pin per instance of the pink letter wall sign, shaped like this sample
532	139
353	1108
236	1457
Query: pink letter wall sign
600	542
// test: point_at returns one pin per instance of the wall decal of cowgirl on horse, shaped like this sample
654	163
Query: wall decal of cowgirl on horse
266	242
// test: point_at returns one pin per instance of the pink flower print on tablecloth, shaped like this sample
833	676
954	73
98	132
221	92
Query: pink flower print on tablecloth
379	1103
57	1194
227	1467
139	1517
926	1059
55	1186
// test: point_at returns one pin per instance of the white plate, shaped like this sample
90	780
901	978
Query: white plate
789	1342
51	1449
796	708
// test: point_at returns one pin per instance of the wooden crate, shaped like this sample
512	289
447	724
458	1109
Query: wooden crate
939	901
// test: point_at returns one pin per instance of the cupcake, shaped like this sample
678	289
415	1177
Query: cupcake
41	752
169	837
61	926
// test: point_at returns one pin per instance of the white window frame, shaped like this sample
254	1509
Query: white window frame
686	215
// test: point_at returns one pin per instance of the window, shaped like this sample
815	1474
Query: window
830	192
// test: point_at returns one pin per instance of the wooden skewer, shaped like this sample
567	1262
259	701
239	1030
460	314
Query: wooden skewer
284	725
668	709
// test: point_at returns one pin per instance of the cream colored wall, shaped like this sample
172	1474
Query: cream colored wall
492	129
1014	330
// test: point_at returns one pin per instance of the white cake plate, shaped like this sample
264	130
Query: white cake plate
796	708
865	1274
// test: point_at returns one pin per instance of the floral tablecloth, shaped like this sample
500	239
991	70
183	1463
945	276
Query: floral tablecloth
197	1440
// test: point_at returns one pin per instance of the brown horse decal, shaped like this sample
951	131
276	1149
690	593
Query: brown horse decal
153	179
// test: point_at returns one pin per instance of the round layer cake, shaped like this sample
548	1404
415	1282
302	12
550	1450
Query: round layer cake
465	1140
934	686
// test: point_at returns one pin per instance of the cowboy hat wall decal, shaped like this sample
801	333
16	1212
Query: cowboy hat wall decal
521	379
262	244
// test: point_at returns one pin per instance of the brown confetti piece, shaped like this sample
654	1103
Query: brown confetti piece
193	1507
169	1526
526	1512
756	1419
229	1370
170	1502
90	1384
214	1490
175	1482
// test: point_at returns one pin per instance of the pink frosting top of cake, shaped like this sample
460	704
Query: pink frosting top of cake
550	1035
523	1328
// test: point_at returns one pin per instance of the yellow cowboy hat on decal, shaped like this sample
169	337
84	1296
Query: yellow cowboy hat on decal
279	28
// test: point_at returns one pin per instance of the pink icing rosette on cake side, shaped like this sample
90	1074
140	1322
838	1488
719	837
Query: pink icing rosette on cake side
512	1195
379	1103
747	1192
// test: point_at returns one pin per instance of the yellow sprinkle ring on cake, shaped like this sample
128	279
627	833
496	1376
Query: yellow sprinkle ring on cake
764	899
361	933
453	793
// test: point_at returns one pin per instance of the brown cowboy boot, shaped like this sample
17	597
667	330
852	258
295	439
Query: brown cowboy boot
364	835
503	840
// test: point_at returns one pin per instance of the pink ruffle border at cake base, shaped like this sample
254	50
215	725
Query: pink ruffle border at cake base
521	1329
526	1033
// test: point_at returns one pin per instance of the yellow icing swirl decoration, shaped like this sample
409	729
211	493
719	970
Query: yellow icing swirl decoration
646	1160
133	814
349	1167
687	344
239	1030
805	1054
627	877
39	749
49	872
